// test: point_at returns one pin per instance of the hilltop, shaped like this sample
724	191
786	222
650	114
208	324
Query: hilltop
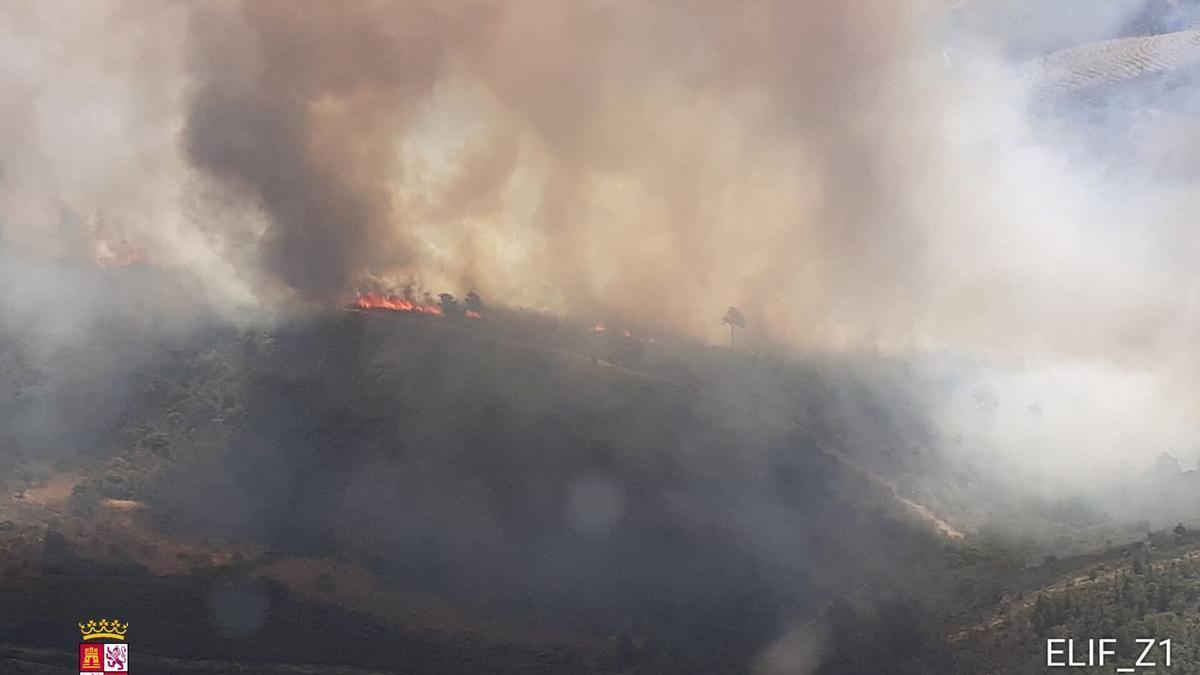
654	503
521	487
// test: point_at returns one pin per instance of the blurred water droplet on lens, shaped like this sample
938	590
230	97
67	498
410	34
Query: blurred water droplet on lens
594	505
238	607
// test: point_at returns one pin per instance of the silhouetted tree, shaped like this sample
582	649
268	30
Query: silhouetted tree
449	305
734	319
472	302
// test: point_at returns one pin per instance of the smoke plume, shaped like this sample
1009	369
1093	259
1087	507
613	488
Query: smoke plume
863	175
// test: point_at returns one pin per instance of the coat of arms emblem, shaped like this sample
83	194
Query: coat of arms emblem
103	650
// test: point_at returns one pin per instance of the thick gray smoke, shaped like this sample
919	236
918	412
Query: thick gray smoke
297	105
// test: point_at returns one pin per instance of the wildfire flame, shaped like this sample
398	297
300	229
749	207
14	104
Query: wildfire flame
394	303
472	314
599	328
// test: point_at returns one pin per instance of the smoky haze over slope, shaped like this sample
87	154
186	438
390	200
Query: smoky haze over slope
862	174
971	220
859	175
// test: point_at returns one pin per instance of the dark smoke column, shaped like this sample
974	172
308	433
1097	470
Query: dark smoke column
297	106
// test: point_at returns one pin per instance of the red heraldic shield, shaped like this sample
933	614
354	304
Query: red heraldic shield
91	658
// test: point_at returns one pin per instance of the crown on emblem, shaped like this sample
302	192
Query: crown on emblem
96	629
